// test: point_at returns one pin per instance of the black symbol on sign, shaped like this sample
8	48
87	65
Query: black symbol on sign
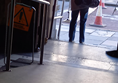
20	16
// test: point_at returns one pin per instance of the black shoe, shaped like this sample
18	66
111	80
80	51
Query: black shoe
71	41
81	42
113	53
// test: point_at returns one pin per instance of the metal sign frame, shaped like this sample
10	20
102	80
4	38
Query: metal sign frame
9	34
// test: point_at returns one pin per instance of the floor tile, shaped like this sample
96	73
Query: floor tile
93	37
107	16
103	33
96	64
110	43
108	47
114	63
116	34
113	38
114	68
93	42
89	30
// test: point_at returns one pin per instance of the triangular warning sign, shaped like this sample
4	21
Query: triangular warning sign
20	18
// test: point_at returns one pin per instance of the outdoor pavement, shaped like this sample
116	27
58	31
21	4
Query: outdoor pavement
106	37
111	2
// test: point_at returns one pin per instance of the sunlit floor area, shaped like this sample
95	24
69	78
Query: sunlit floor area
65	63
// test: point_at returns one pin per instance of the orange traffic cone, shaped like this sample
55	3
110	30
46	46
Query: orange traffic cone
103	4
98	19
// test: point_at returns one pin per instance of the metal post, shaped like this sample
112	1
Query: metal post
33	35
52	21
61	19
10	36
6	35
42	35
46	22
68	18
69	11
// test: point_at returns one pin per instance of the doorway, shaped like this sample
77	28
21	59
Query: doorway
105	37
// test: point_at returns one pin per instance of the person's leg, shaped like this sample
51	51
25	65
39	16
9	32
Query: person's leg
73	24
83	18
117	47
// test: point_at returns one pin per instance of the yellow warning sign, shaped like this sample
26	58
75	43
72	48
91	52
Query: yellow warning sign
22	18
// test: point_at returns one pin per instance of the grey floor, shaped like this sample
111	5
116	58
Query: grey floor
56	74
65	62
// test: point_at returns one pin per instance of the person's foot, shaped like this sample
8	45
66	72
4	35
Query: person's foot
113	53
72	41
81	42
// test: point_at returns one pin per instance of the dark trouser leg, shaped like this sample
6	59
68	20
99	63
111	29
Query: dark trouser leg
117	47
83	18
73	24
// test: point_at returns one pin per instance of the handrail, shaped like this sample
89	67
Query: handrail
61	18
58	17
42	1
